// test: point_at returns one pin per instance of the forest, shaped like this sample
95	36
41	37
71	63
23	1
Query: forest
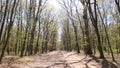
63	34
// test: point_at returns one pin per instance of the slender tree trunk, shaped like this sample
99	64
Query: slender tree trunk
69	38
37	43
8	32
118	5
30	48
24	42
94	20
76	38
87	49
16	44
3	21
99	43
83	40
107	36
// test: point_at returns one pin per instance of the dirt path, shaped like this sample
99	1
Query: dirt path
59	59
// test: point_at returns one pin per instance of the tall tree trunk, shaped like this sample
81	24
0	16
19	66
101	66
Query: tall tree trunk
99	43
94	20
24	42
17	39
8	32
83	34
30	48
76	38
107	36
87	49
37	43
68	36
3	21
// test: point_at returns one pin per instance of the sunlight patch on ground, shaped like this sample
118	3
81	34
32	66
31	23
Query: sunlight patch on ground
26	59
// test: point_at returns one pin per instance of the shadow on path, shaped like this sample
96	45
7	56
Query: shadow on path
63	60
105	63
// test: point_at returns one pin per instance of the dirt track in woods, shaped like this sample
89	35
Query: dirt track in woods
60	59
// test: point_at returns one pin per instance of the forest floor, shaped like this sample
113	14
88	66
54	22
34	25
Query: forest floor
57	59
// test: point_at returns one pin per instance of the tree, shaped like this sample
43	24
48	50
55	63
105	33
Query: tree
106	32
94	19
69	11
87	49
3	21
9	29
117	2
66	35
